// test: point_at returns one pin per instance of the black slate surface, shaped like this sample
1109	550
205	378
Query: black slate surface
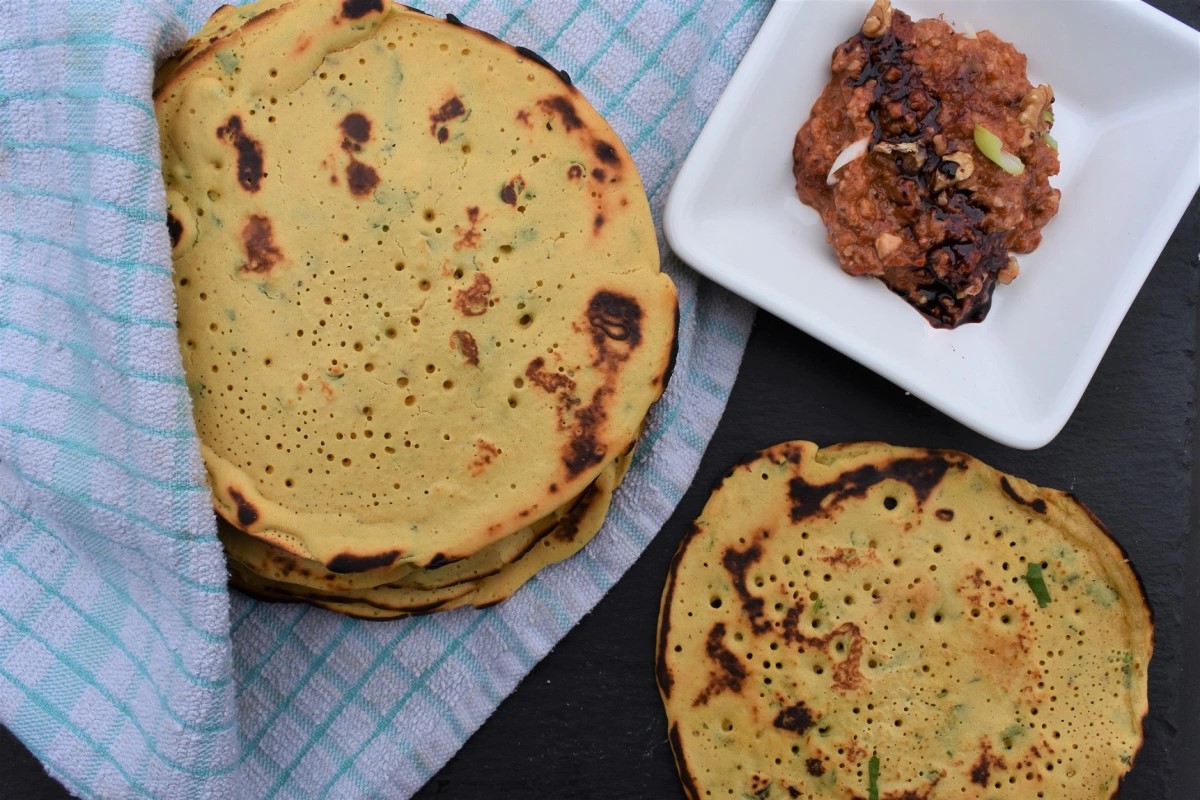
588	723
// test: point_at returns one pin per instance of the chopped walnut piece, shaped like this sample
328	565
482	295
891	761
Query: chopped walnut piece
878	20
1009	271
965	169
886	244
1033	117
913	153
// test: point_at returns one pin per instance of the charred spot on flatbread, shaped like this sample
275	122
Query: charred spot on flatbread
1037	503
352	562
512	190
464	343
438	560
249	153
356	128
247	514
470	235
981	770
606	152
737	563
357	9
475	299
726	672
361	178
923	474
796	718
614	317
449	110
174	229
262	254
584	450
545	379
564	109
685	774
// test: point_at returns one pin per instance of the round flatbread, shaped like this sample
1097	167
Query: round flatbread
396	600
280	565
268	561
418	285
478	582
570	535
874	621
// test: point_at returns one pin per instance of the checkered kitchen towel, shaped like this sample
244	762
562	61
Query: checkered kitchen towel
125	665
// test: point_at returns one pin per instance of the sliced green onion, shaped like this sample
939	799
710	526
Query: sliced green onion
1050	140
873	778
1012	733
1048	116
1033	576
990	145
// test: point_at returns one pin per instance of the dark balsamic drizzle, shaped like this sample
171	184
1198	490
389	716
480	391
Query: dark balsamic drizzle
897	82
905	110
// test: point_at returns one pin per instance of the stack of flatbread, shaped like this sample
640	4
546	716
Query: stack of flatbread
420	305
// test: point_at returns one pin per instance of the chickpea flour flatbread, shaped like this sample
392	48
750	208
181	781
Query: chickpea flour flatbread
561	534
565	539
874	621
480	588
419	297
398	602
280	565
277	565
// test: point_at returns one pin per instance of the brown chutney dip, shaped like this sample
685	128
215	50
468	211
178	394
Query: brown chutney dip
925	209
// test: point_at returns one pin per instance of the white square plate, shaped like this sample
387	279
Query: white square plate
1126	80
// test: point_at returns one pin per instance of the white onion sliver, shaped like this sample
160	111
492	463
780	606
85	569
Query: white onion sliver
967	31
853	151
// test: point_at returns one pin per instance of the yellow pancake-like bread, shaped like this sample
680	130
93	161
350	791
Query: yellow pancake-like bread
875	621
420	304
484	585
396	602
280	565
